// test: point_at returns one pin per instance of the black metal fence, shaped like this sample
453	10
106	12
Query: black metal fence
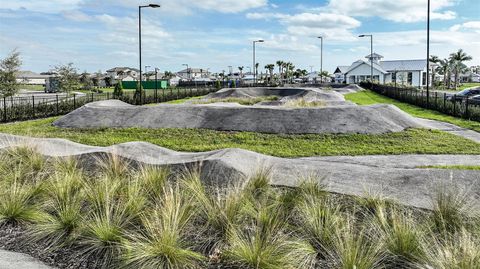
48	105
449	104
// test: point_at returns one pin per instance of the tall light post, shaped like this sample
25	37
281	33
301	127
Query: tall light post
254	61
188	71
371	57
140	41
321	59
146	72
428	54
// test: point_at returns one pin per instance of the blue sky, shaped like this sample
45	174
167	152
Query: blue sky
97	35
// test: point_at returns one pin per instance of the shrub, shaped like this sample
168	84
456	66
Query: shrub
118	90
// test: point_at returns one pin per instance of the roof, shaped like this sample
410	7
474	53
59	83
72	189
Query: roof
403	65
117	69
360	62
30	74
374	55
194	70
342	69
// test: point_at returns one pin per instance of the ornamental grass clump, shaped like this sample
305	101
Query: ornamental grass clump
163	241
62	206
116	215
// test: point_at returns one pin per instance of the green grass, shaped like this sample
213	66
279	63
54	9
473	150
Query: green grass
468	85
241	101
181	101
414	141
32	87
368	97
453	167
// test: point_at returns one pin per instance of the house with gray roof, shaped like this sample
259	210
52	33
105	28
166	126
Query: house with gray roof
404	72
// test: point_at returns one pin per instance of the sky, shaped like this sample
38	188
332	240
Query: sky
97	35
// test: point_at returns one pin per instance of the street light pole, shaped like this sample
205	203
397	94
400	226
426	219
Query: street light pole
254	61
140	41
428	54
188	71
146	72
371	58
321	59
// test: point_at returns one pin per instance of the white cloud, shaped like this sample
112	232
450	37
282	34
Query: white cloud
467	26
398	11
333	26
45	6
76	15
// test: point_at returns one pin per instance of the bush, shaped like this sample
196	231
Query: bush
118	90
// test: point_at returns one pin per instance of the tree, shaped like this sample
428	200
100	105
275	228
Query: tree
270	68
8	70
280	68
434	59
67	76
457	59
118	90
444	66
86	81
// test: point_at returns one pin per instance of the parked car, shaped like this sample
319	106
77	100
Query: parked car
464	94
474	100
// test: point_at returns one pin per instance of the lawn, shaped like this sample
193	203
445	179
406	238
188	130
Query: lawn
414	141
368	97
29	87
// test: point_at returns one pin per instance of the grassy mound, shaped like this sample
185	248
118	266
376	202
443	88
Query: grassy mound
414	141
118	216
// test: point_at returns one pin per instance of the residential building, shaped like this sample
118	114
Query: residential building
29	77
339	73
405	72
193	73
123	73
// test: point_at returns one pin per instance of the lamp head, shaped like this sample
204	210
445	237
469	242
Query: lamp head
154	6
261	40
361	36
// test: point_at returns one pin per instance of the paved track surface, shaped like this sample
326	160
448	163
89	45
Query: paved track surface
395	177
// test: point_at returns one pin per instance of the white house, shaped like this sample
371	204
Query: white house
29	77
340	73
405	72
123	73
193	73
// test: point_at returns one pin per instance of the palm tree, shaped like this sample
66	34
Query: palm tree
280	68
434	59
458	58
443	69
325	74
270	68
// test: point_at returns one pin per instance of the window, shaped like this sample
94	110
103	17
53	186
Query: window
394	76
410	78
424	78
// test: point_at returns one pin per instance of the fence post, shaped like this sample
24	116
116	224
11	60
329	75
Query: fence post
56	104
33	106
454	104
5	109
466	108
444	102
74	101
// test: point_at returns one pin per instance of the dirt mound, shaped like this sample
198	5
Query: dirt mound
373	119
